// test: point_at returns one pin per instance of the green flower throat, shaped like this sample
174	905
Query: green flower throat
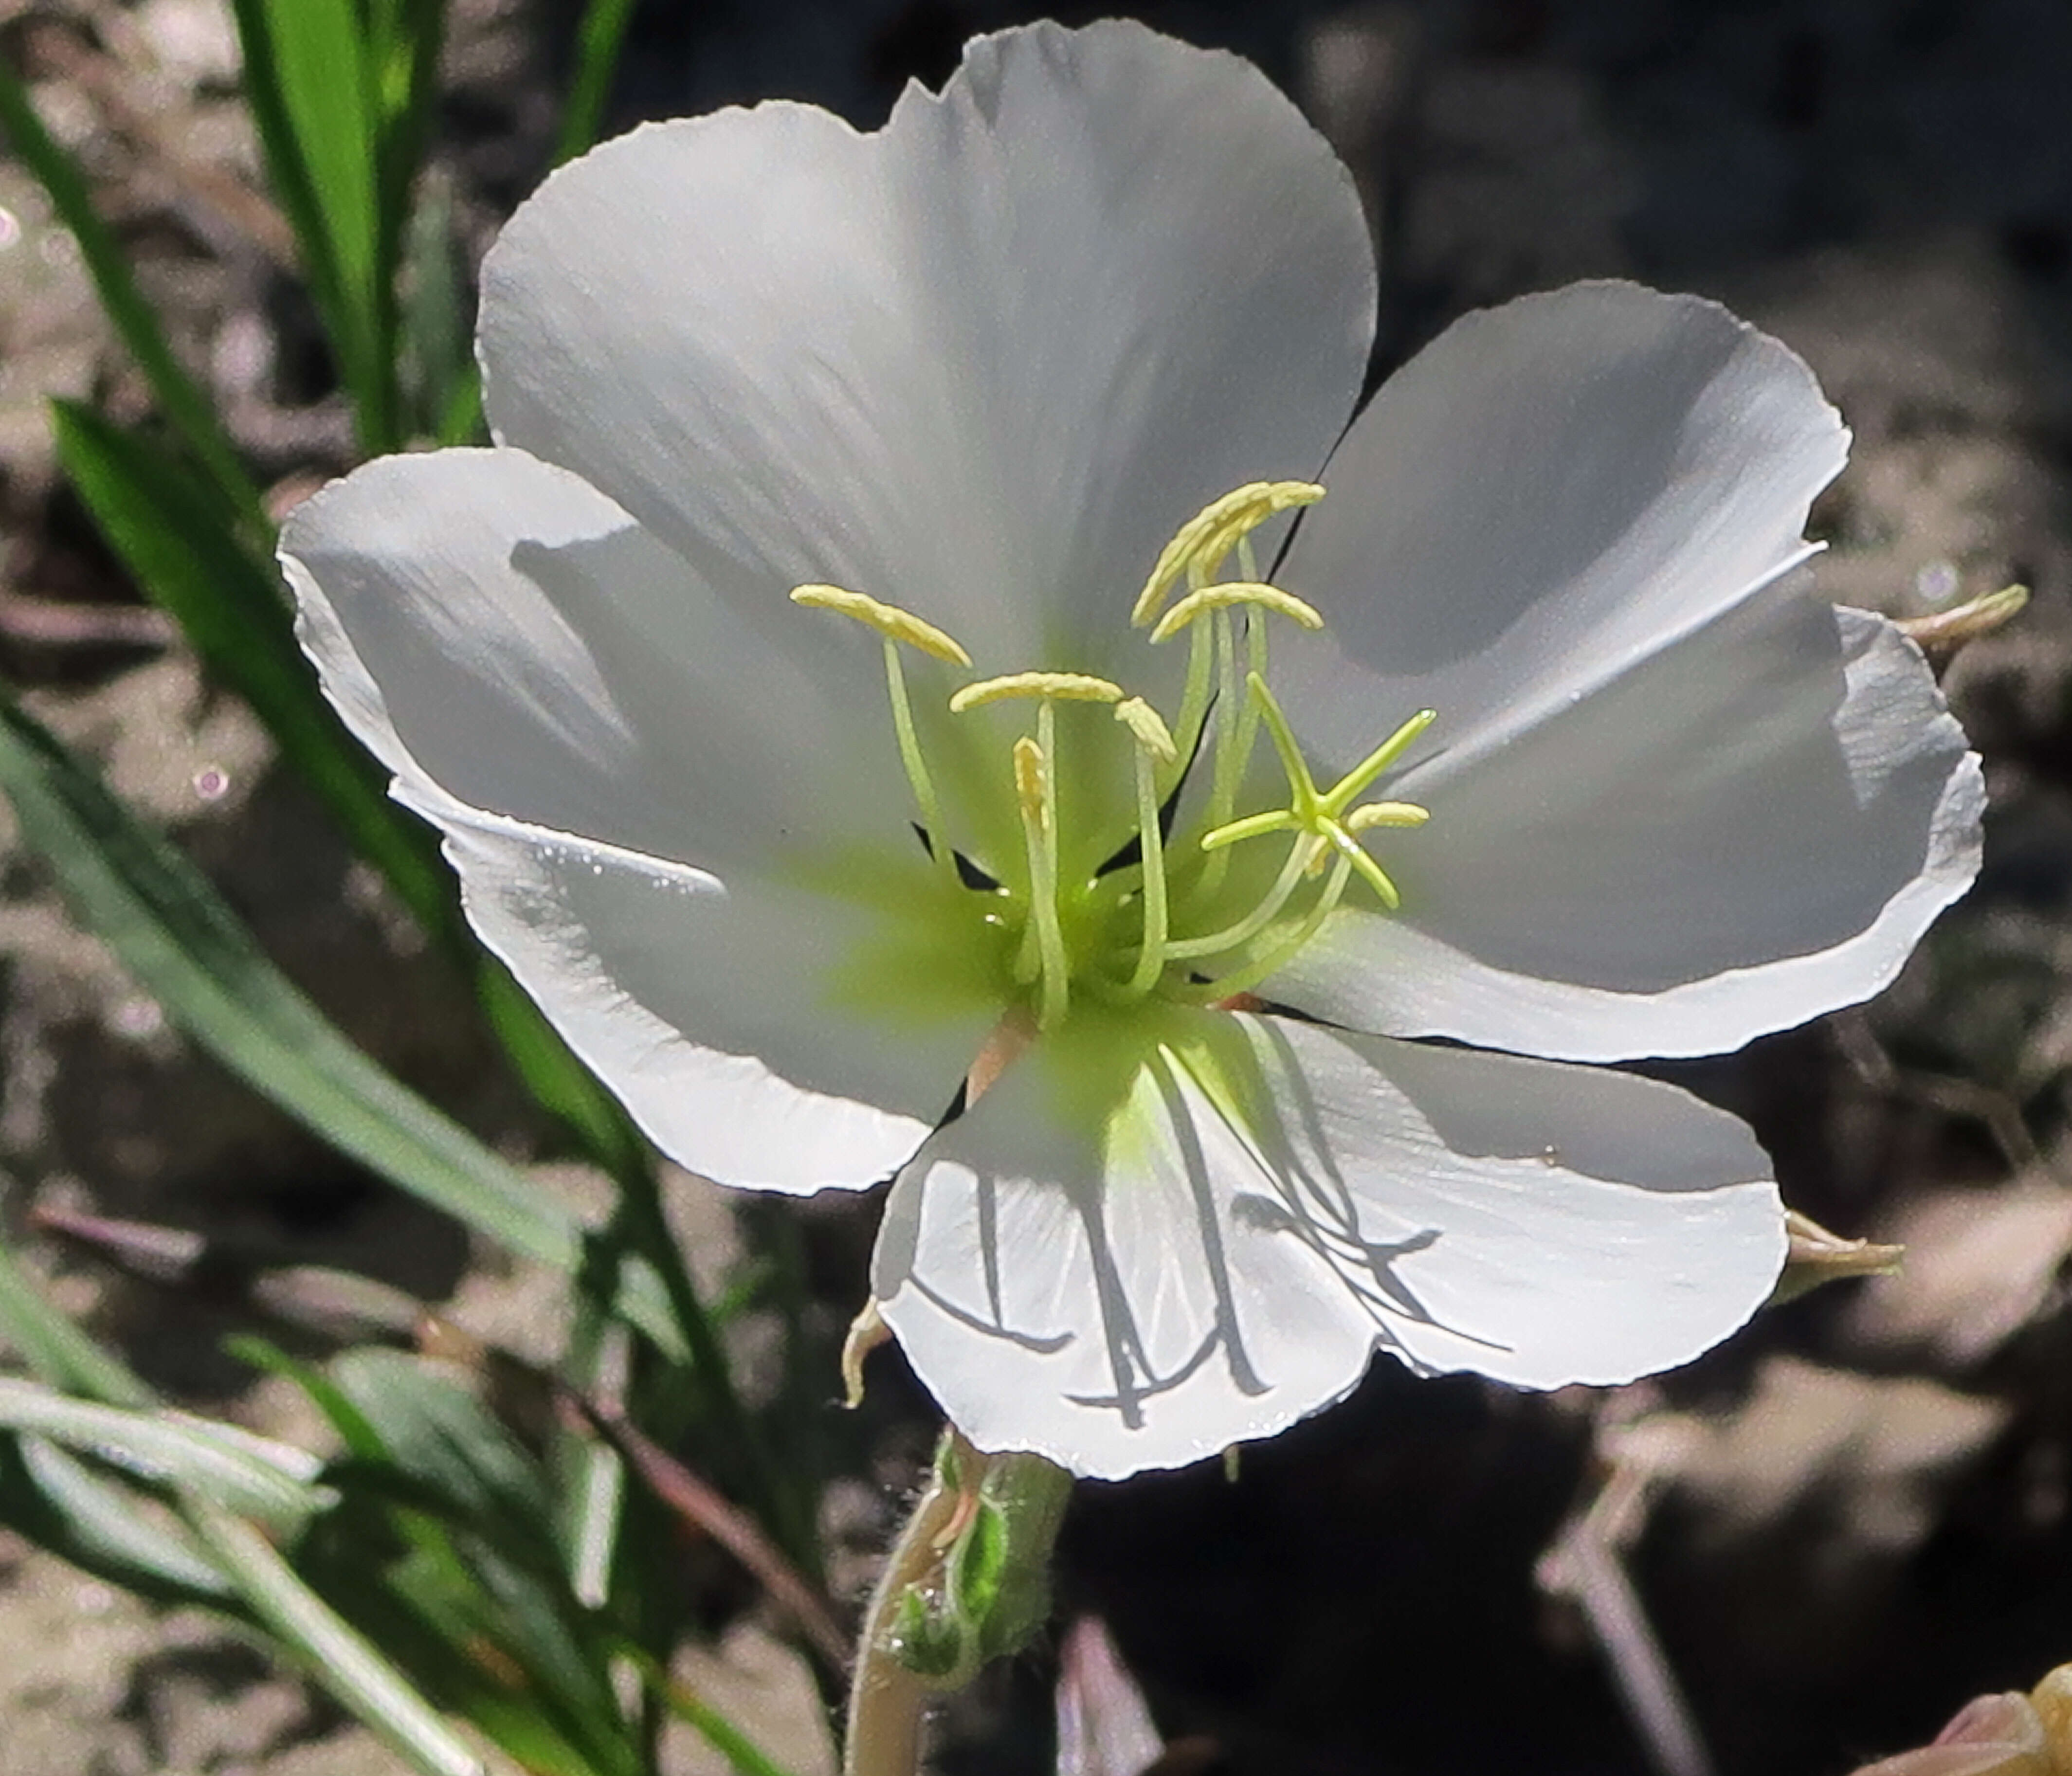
1088	849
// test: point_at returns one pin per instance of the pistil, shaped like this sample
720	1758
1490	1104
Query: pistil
1154	747
901	627
1035	790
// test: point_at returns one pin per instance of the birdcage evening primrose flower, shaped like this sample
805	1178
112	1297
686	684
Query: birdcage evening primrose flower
878	698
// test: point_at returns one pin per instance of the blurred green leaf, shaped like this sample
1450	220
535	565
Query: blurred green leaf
404	38
333	1651
435	341
462	422
54	1499
54	1348
307	82
318	64
229	491
432	1428
444	1550
360	1438
56	1502
50	1496
721	1734
229	604
272	1482
172	931
600	36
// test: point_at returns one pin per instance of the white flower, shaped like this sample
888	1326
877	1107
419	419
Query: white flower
962	381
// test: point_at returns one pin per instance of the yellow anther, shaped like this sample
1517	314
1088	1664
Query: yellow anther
1030	770
1373	814
889	620
1150	728
1046	687
1206	539
1222	595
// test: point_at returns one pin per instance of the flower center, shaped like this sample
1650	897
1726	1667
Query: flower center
1122	856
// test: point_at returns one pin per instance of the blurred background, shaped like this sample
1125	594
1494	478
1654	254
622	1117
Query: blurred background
1837	1528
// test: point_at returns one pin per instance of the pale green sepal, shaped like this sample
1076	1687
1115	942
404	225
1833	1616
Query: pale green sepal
988	1591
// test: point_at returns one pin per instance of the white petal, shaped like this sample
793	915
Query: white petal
1146	1295
493	625
1536	1223
1750	829
1549	490
716	1014
644	800
982	363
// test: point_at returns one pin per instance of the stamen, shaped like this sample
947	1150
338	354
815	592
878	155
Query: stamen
1153	744
1225	593
1149	727
1030	790
1233	733
1194	699
1035	791
1060	686
889	620
918	778
1206	538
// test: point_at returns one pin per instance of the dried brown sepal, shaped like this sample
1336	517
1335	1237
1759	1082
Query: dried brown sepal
1946	631
866	1332
1817	1256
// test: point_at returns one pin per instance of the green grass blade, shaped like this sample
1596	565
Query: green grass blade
600	36
229	1564
307	81
723	1736
740	1751
60	1504
271	1482
434	344
56	1349
229	603
180	398
404	38
174	933
335	1654
462	422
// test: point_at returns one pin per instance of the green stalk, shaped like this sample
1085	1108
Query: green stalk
599	38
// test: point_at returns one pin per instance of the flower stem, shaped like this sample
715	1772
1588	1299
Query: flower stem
967	1581
887	1702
